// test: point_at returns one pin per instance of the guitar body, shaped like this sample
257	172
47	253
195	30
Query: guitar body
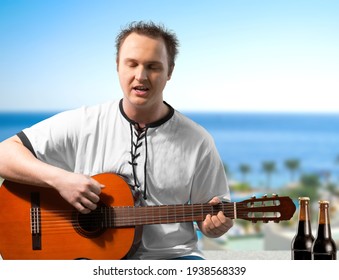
58	231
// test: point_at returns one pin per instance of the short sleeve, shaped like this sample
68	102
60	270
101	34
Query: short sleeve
55	139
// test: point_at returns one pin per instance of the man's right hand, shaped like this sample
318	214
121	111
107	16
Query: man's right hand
18	164
81	191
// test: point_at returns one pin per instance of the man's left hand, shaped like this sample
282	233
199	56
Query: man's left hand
215	225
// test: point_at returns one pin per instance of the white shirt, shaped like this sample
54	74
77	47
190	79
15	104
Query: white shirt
181	164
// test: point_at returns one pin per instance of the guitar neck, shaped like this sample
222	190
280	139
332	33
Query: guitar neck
166	214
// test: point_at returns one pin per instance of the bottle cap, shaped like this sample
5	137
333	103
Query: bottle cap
324	202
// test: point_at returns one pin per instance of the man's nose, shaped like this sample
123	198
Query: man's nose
141	74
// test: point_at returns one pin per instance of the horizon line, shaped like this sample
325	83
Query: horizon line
186	111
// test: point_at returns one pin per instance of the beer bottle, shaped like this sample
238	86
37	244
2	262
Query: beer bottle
324	247
302	242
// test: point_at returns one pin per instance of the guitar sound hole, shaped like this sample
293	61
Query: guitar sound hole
89	225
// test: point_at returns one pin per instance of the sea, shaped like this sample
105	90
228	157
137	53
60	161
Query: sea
250	139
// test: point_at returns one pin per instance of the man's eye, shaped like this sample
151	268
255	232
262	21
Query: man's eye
154	67
132	64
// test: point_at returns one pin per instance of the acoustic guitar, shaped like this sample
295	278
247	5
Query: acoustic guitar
37	223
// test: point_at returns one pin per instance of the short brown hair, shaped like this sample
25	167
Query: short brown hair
152	30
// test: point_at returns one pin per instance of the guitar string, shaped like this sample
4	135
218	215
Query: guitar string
70	227
144	218
126	216
176	209
123	215
53	227
146	211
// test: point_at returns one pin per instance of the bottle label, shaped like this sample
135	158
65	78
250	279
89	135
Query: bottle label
324	256
301	255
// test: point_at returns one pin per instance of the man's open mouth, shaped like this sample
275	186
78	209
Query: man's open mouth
141	88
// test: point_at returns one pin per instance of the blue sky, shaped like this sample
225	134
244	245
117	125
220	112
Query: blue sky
245	55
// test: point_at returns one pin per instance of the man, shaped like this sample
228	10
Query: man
165	157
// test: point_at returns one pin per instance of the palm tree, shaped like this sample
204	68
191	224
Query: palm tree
244	170
268	167
309	185
292	165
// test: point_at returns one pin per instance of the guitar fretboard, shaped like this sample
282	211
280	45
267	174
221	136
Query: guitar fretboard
164	214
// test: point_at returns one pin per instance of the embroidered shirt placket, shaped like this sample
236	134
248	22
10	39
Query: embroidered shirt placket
137	137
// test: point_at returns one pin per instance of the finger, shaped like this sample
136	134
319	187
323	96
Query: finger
83	210
88	203
96	187
217	224
223	222
213	231
210	224
220	223
93	197
222	218
215	200
229	223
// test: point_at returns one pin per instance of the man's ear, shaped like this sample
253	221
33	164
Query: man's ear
170	71
117	63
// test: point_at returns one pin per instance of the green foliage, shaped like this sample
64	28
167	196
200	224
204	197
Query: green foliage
292	165
268	167
309	186
333	189
244	170
241	187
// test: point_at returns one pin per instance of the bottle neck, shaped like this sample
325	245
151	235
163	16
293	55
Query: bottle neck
324	227
304	227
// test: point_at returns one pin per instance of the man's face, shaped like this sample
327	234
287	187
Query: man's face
143	70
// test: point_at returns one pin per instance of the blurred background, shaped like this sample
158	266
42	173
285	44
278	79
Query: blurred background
260	76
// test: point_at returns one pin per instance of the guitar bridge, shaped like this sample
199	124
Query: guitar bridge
35	221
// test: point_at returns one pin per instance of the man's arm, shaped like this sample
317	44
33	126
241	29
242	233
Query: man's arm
18	164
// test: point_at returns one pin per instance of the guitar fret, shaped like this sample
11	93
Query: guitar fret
134	212
175	214
130	209
234	210
146	216
192	216
184	210
202	212
167	214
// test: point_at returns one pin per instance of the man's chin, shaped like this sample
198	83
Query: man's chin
137	101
